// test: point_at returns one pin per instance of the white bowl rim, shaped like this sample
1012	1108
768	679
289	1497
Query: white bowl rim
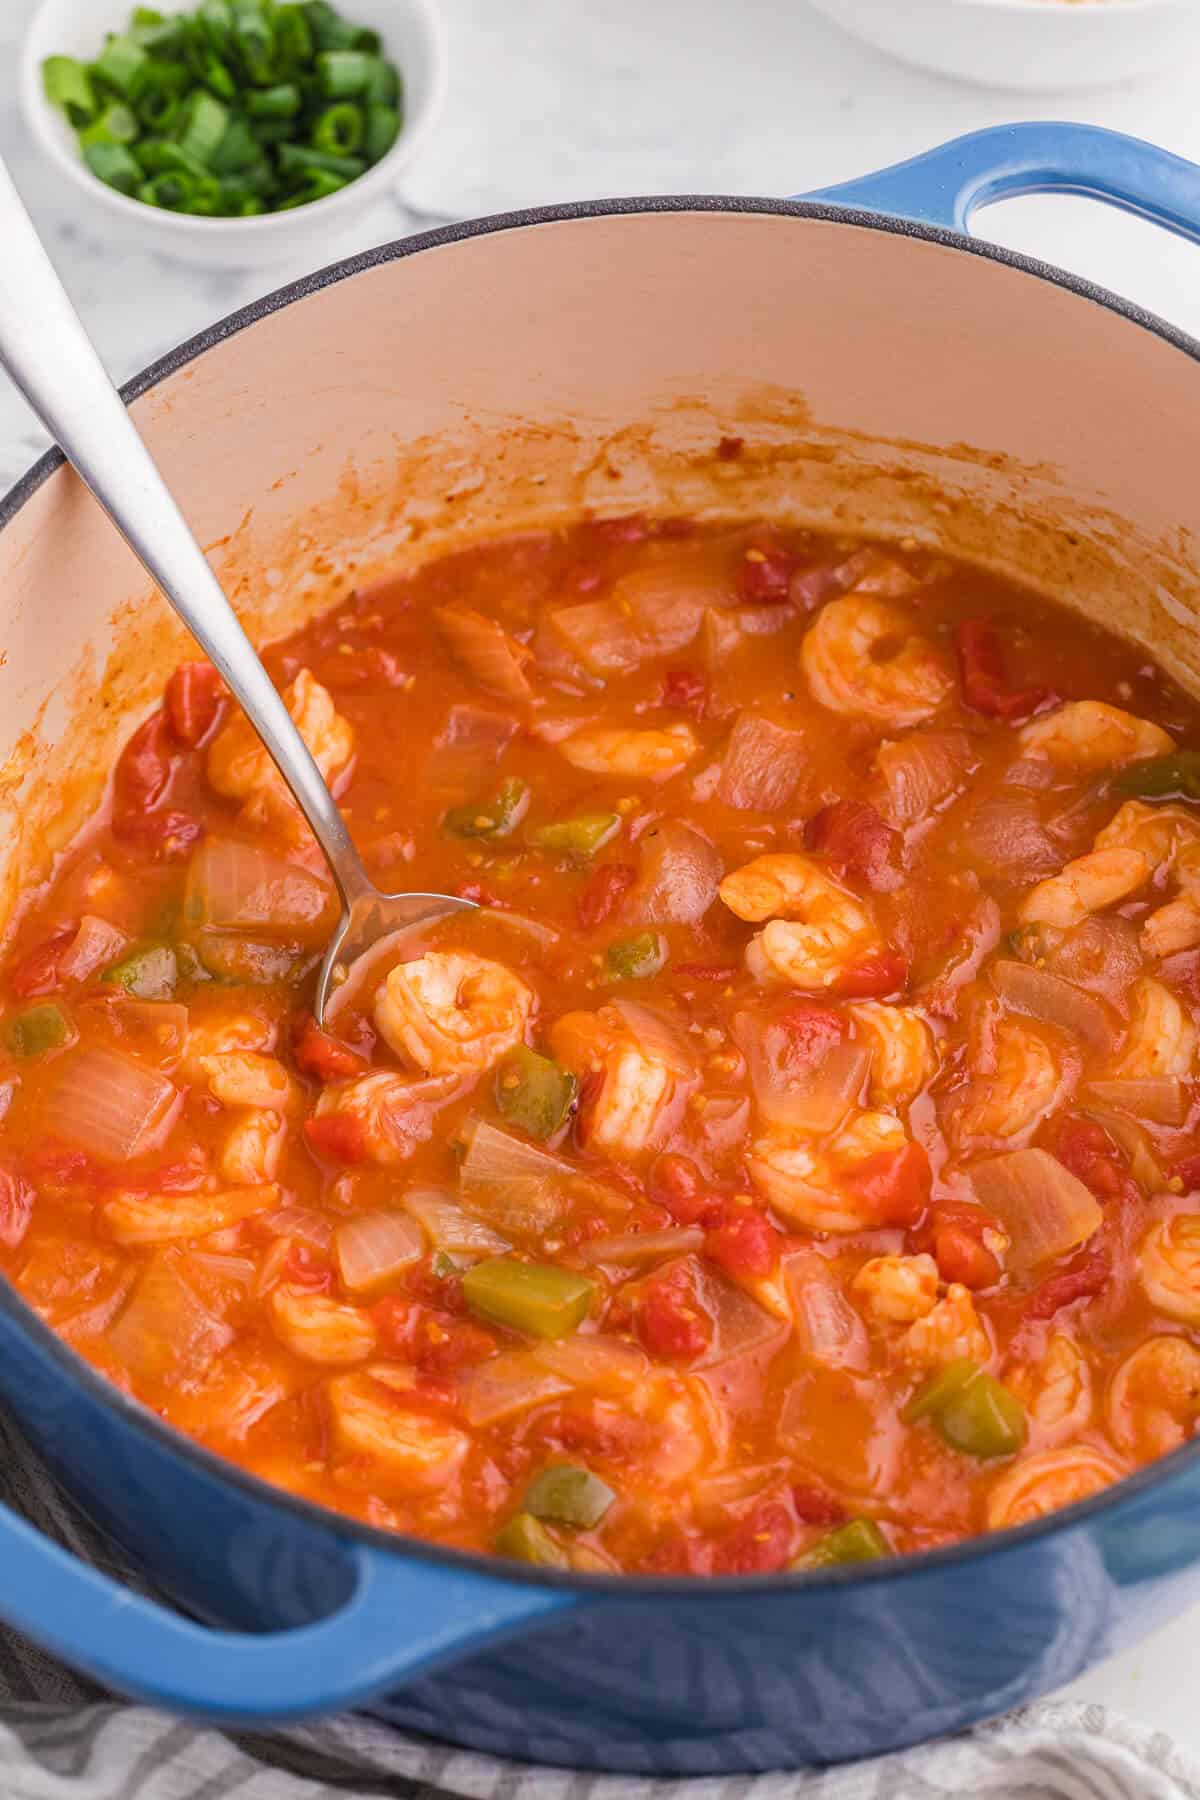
413	133
1077	8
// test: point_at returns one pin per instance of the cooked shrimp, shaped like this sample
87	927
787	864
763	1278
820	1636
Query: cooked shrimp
1157	832
898	1288
903	1057
1025	1085
862	657
222	1036
1161	1039
395	1114
249	1078
633	755
1168	1261
686	1431
253	1147
951	1331
812	1185
163	1218
1085	886
1087	735
1154	1398
367	1415
629	1081
1176	926
1041	1483
832	931
320	1329
451	1013
1056	1391
240	767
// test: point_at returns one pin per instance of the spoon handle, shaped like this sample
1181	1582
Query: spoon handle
49	356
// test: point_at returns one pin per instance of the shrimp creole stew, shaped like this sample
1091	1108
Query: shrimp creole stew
796	1158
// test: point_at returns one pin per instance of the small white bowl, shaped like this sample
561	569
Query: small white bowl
413	38
1027	44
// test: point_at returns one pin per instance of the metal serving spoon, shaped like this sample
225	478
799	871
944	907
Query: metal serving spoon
48	354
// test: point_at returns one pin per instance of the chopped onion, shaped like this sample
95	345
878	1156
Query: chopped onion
1144	1166
166	1334
154	1028
762	764
94	946
661	1040
374	1247
740	1324
667	602
448	1226
1045	1210
109	1105
826	1326
1101	955
1004	839
1040	995
600	636
679	873
370	970
238	1269
301	1222
506	1384
790	1091
510	1182
232	886
469	746
606	1365
545	935
921	773
643	1246
497	661
1160	1098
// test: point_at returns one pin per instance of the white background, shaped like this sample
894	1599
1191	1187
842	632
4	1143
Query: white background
572	99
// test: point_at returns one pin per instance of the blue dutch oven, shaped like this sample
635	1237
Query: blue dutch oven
857	340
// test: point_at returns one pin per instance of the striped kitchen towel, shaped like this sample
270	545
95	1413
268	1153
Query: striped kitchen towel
61	1738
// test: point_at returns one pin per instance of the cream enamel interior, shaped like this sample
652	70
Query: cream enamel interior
880	382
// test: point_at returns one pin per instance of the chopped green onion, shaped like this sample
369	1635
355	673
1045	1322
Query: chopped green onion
567	1494
636	958
534	1093
334	33
383	128
340	129
970	1410
526	1539
301	159
293	39
204	124
238	149
491	819
344	74
318	185
157	35
117	124
150	973
68	86
283	101
114	166
1173	777
537	1298
215	17
254	41
580	836
858	1541
122	64
37	1029
383	84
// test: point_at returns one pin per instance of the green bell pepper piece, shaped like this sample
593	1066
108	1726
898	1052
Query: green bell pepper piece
858	1541
568	1495
636	958
150	973
534	1093
580	836
539	1299
526	1539
492	819
1173	777
971	1411
37	1029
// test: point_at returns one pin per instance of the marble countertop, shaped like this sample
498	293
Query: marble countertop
552	100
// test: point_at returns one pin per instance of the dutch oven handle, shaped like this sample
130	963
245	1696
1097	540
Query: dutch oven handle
946	186
404	1617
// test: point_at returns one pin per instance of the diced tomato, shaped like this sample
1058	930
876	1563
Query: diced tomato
1085	1148
182	1177
895	1184
883	973
961	1257
166	836
16	1207
603	892
684	690
143	767
765	575
680	1552
669	1319
676	1183
337	1138
985	687
450	1344
816	1506
1085	1279
301	1268
1188	1171
430	1395
811	1030
441	1291
859	842
699	971
759	1544
52	1167
729	448
37	971
193	700
745	1244
324	1057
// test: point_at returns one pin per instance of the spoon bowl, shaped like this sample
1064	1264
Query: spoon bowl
373	922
